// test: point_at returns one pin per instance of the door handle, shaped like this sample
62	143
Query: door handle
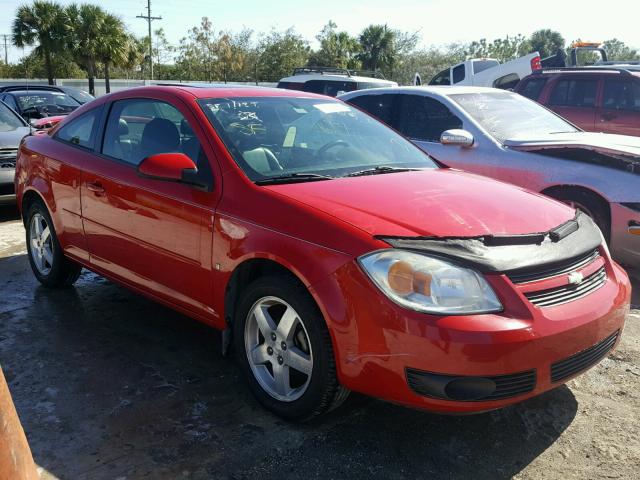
95	187
608	116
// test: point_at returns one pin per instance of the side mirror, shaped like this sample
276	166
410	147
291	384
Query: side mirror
172	167
458	137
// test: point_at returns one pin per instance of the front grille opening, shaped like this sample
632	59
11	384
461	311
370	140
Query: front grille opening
462	388
568	293
542	273
584	360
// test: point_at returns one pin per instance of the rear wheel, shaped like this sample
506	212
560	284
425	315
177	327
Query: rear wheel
46	257
285	351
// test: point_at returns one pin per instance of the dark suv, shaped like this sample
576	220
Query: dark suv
596	99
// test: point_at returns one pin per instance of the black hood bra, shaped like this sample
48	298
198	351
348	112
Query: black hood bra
510	253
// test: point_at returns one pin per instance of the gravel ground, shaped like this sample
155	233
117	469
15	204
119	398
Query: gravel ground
109	385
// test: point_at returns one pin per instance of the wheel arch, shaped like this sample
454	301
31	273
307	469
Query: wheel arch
29	196
556	191
553	190
249	270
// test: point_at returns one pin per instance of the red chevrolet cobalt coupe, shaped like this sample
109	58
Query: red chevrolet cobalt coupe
333	253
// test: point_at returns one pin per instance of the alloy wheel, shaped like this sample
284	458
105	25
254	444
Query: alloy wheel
278	349
41	243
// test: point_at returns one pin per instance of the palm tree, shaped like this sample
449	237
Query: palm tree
42	23
85	41
378	49
115	47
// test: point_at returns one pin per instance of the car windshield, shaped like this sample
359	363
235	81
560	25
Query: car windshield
52	102
80	95
506	115
288	136
8	120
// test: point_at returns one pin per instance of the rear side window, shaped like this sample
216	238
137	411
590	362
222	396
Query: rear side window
482	65
81	130
533	87
458	73
380	106
329	87
424	118
291	85
507	82
621	95
442	78
574	93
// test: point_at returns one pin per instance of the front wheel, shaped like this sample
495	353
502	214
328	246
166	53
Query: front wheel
46	257
285	351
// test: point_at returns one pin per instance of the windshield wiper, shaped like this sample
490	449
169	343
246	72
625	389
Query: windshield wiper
379	170
293	178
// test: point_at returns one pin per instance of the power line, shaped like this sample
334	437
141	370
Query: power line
149	19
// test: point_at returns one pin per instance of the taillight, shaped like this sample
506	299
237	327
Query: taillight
535	63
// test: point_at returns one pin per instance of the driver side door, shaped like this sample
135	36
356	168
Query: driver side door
152	234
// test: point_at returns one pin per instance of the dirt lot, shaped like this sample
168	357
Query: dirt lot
109	385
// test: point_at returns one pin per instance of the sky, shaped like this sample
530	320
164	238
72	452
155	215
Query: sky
439	22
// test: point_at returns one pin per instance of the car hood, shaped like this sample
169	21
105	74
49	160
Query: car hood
430	203
11	138
602	142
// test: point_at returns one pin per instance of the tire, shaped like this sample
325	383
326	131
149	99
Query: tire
589	204
47	260
307	347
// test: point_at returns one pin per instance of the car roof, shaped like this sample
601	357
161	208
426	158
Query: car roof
623	70
305	77
442	90
24	86
222	91
31	90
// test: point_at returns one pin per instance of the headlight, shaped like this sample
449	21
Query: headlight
428	284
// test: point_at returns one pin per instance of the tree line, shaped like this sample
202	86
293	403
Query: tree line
86	41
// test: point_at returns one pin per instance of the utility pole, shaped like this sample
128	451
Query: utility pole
6	50
149	19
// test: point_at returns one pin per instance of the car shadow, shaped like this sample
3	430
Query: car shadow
9	212
110	384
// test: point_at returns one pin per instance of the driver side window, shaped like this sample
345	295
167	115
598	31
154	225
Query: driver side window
424	118
137	129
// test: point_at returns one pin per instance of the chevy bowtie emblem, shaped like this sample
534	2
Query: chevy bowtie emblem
575	278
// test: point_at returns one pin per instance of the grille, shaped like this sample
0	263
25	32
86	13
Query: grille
568	293
512	385
7	164
505	386
558	269
581	361
8	157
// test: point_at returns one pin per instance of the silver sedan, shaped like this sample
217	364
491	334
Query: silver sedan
508	137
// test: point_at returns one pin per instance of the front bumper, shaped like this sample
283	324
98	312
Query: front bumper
379	344
7	188
625	246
